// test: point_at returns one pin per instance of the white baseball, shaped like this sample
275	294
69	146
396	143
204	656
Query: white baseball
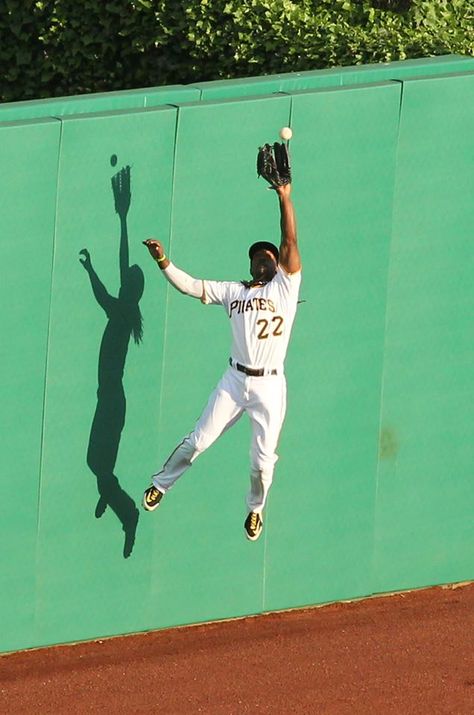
286	133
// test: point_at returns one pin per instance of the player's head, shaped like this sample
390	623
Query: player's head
133	284
264	258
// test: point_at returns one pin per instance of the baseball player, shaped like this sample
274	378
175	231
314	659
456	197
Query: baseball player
261	313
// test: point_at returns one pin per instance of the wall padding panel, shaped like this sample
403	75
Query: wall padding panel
334	77
29	159
103	390
98	102
425	496
320	516
219	209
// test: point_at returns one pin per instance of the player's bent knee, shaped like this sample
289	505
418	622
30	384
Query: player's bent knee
264	464
263	474
200	442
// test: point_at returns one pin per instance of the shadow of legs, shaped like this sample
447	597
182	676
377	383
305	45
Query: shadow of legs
112	495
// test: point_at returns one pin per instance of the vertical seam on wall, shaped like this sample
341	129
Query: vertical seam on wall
46	365
265	532
167	286
382	376
150	604
178	117
290	118
400	105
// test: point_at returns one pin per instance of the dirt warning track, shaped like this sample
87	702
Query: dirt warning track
402	654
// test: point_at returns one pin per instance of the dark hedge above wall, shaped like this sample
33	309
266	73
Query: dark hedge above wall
64	47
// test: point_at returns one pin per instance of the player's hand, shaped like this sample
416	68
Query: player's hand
155	247
86	260
121	189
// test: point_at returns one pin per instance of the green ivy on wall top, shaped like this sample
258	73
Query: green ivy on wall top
63	47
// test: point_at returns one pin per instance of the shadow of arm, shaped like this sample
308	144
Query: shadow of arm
122	198
104	299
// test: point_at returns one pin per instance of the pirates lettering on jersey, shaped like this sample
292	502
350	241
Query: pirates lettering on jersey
242	306
260	321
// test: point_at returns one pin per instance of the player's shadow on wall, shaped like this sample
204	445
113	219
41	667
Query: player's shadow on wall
124	321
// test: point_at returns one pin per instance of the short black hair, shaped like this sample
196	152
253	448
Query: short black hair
264	246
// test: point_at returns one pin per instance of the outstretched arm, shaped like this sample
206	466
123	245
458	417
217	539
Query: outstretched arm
179	279
122	197
104	299
290	258
124	254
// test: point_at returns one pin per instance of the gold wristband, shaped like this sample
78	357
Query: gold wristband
160	260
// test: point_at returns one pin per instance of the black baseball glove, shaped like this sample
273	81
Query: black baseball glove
273	163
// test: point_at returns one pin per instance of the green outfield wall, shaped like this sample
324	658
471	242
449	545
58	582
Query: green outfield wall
105	367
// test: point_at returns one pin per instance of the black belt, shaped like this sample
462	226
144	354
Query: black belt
251	372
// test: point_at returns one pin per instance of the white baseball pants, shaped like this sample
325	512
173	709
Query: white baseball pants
264	400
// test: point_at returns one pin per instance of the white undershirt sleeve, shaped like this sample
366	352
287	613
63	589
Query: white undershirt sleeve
183	282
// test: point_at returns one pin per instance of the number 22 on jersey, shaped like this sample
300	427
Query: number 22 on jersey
270	327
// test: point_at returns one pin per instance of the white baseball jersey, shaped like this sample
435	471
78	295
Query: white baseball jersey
261	317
